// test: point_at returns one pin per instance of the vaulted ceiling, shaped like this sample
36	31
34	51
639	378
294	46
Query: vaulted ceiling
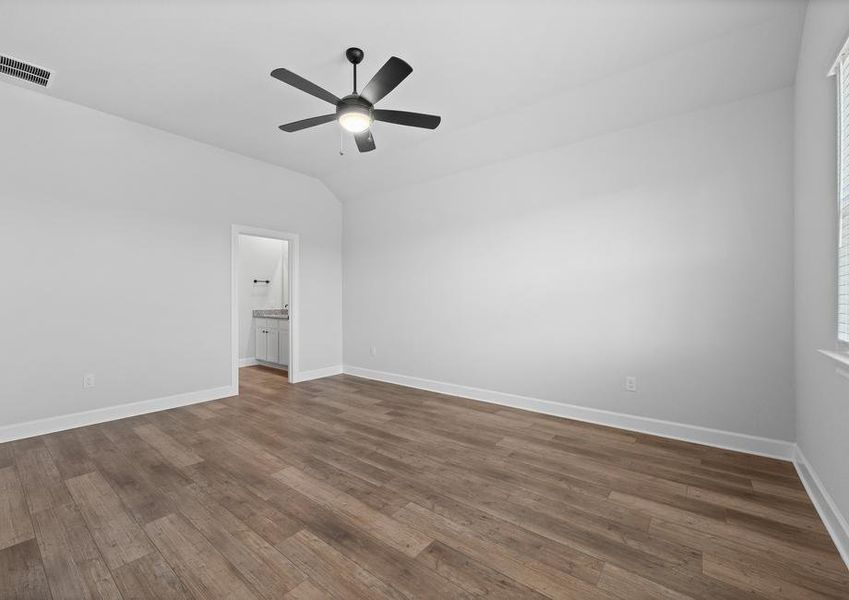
508	77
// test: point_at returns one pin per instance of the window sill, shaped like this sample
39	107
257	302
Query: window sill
842	358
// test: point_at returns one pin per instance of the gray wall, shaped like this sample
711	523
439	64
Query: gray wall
663	252
115	250
822	395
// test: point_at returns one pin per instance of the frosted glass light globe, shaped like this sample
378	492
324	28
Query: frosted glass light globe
355	122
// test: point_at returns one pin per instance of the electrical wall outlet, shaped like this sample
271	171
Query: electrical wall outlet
373	350
630	384
88	380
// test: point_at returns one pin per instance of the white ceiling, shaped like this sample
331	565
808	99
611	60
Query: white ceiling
508	78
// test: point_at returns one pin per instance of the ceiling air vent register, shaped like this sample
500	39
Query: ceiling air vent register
21	70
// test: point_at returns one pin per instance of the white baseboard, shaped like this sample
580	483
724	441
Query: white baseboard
252	362
19	431
317	373
270	365
831	516
834	520
678	431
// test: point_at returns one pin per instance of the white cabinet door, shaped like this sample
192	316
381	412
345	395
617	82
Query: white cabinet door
261	344
284	346
272	348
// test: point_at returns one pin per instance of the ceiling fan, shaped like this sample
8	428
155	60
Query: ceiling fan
356	112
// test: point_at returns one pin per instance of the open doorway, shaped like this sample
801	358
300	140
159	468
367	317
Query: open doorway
264	301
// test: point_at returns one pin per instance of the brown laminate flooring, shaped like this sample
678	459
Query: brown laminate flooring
347	488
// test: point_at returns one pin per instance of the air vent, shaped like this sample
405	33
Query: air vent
21	70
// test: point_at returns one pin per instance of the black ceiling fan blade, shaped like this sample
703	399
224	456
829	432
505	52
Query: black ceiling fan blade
410	119
286	76
365	141
387	79
305	123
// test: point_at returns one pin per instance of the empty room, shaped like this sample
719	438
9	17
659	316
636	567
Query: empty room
371	299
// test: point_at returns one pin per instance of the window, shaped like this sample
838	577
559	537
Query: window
841	70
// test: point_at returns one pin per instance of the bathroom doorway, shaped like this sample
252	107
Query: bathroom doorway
264	301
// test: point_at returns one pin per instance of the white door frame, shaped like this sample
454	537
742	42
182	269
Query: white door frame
294	297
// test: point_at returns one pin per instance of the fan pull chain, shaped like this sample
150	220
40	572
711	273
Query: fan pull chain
341	149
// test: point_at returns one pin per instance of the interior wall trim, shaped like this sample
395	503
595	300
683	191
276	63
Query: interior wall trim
252	362
18	431
835	522
27	429
318	373
717	438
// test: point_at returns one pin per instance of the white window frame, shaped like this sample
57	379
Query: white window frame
840	71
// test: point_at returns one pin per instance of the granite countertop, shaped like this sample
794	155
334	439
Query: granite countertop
272	313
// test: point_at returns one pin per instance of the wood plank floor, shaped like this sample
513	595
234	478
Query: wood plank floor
346	488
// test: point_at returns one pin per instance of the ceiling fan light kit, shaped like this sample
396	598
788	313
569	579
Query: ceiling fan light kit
355	112
353	115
